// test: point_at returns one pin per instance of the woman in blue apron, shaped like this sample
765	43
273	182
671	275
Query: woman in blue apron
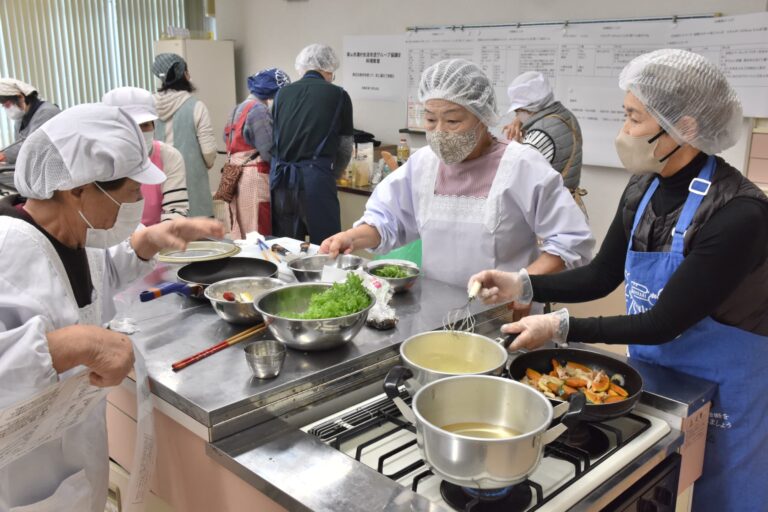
690	242
304	199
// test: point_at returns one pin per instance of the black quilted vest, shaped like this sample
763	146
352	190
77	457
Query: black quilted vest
747	307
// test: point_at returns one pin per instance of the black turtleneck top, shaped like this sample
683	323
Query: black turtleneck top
727	248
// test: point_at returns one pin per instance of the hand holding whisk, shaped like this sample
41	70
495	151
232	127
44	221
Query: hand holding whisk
461	318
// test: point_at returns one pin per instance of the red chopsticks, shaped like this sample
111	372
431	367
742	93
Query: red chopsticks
237	338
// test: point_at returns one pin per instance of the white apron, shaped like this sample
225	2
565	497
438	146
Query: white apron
464	235
79	459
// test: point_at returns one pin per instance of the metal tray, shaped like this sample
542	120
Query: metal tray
199	251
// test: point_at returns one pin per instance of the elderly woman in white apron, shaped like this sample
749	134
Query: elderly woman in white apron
690	241
473	200
67	244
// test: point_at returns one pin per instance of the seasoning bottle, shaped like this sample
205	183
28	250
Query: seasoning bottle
403	151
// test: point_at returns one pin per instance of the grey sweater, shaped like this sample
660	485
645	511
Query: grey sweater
43	113
555	133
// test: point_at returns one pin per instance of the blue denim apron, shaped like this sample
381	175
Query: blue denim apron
736	458
304	198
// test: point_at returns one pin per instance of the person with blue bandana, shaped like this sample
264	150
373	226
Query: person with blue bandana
248	136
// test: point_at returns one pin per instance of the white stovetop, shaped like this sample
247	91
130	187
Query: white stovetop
549	474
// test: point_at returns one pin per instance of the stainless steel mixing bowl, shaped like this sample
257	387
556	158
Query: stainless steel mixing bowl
398	284
310	268
307	334
237	312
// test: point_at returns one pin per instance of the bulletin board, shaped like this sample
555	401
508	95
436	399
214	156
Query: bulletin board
583	61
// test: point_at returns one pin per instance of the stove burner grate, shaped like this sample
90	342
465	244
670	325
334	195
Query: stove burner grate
383	412
509	499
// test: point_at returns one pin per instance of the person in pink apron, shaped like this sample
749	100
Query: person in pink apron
690	242
248	135
169	199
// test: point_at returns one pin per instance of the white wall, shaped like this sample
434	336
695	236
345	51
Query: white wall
271	32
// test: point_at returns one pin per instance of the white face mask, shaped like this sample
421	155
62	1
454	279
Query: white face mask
452	147
128	219
637	153
148	138
14	112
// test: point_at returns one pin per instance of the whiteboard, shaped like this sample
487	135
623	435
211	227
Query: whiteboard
583	62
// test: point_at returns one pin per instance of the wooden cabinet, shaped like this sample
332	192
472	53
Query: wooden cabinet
185	478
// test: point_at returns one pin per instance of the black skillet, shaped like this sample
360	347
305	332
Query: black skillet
195	277
541	361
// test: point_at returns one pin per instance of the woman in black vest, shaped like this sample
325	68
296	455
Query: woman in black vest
690	240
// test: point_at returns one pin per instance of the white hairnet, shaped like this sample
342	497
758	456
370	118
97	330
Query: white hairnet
462	82
676	84
138	103
317	56
530	91
13	87
83	144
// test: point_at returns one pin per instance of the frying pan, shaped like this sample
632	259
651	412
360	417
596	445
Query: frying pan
541	361
195	277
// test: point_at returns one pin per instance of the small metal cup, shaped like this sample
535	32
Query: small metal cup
265	357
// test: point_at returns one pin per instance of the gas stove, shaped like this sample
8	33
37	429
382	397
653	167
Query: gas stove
374	433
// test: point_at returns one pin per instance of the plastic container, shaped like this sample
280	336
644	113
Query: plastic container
378	173
362	171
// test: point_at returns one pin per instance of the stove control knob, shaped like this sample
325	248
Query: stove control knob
646	505
663	496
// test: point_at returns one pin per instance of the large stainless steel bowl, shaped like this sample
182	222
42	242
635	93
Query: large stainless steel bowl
239	312
399	284
307	334
310	268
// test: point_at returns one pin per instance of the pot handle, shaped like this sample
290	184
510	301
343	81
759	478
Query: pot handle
166	289
577	404
507	341
395	378
574	409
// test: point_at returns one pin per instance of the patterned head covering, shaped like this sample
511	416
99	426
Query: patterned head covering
265	84
169	67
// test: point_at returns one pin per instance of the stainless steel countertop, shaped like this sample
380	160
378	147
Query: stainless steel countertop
301	473
274	458
258	440
220	393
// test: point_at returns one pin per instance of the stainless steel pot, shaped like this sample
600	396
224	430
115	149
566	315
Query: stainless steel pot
435	355
485	432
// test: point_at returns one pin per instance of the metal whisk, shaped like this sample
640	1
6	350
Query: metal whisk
461	318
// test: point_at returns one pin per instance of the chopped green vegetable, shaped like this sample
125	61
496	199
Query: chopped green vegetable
340	299
390	271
